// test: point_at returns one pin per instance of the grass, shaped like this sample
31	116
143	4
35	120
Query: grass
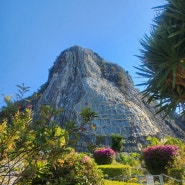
109	182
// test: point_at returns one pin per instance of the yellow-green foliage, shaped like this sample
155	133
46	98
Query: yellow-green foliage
116	170
74	168
178	173
108	182
28	148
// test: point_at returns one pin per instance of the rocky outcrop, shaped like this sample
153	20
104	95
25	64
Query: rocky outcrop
80	78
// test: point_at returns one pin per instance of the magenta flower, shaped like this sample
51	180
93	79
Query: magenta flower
104	152
158	158
104	155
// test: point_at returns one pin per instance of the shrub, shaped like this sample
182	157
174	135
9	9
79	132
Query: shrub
117	142
177	173
131	159
158	158
73	169
28	147
80	168
104	156
116	170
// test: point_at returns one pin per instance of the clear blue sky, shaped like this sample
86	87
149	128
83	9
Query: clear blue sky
34	32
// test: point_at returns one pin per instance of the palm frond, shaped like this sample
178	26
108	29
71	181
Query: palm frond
163	57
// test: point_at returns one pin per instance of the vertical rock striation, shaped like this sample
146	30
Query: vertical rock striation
80	78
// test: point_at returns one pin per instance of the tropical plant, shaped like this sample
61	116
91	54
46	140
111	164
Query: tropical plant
163	58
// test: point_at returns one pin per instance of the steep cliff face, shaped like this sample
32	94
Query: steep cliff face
80	78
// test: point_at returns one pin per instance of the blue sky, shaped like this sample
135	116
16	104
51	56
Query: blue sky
33	33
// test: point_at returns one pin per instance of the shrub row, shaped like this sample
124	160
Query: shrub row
116	170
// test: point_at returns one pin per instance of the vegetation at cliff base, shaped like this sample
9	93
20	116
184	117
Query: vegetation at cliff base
38	151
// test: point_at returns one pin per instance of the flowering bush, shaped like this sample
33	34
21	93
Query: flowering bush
104	155
80	169
73	169
158	158
86	159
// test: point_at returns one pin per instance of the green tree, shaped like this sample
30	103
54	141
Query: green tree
8	111
163	58
117	142
26	145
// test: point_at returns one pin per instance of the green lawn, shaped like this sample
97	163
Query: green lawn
108	182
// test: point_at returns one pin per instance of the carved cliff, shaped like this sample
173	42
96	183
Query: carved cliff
80	78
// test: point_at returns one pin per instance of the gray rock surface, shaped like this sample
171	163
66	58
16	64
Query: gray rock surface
80	78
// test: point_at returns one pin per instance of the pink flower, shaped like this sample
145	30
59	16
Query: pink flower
86	159
104	152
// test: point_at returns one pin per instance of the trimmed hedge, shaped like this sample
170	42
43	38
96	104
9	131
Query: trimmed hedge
115	170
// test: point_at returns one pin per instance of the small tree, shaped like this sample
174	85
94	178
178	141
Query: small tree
117	142
28	147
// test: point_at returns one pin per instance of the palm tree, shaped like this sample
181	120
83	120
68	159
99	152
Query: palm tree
163	58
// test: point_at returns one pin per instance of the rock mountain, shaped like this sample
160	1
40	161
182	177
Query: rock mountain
80	78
